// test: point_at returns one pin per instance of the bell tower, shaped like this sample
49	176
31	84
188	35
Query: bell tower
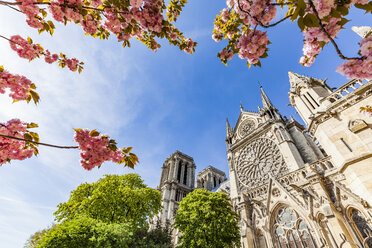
306	95
176	181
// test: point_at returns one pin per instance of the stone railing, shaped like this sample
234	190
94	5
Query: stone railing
344	90
297	177
323	165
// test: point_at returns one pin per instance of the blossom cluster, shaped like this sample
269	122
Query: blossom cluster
252	12
25	49
324	7
12	148
359	68
367	110
95	149
28	50
135	18
315	39
19	85
31	10
225	55
252	46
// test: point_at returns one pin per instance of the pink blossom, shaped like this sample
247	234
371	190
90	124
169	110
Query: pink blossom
24	48
10	148
19	85
50	58
136	3
94	150
217	37
225	55
173	36
366	46
252	46
359	69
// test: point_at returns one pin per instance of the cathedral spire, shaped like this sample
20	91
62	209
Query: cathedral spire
229	133
266	103
228	127
295	79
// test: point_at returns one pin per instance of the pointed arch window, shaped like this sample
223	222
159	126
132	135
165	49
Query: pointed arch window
179	171
290	230
361	226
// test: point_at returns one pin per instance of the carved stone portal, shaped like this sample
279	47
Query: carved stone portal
257	161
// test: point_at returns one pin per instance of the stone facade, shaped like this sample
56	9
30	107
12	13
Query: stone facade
294	186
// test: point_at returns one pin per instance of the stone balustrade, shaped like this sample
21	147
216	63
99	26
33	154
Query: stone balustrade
344	90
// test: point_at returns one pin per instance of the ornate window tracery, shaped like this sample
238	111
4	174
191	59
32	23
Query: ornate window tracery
257	160
290	230
360	226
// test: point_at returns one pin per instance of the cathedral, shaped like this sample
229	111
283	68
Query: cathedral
292	186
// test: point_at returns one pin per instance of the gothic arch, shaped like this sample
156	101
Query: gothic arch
289	228
360	225
278	135
325	231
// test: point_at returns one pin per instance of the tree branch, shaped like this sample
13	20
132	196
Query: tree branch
39	143
283	4
321	25
7	39
259	22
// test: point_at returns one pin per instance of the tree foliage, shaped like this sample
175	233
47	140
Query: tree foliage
207	220
112	212
112	199
157	237
35	238
84	232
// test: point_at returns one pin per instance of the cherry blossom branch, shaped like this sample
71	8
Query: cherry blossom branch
283	4
321	25
39	143
62	5
259	22
7	39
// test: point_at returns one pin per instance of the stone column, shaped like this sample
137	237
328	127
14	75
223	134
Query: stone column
189	175
170	170
182	168
192	175
175	167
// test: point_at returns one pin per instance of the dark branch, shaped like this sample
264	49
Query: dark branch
321	25
39	143
259	22
283	4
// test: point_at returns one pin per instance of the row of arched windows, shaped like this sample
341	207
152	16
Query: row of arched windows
290	230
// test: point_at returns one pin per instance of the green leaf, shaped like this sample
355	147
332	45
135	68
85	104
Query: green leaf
300	23
35	96
335	13
27	136
310	20
94	133
32	125
343	10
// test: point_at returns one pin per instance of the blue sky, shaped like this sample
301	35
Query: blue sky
157	102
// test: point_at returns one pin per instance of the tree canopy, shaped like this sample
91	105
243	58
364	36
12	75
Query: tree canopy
112	199
207	220
84	232
112	212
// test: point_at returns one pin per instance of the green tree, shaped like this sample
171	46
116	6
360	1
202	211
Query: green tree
84	232
35	238
158	237
207	220
112	199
